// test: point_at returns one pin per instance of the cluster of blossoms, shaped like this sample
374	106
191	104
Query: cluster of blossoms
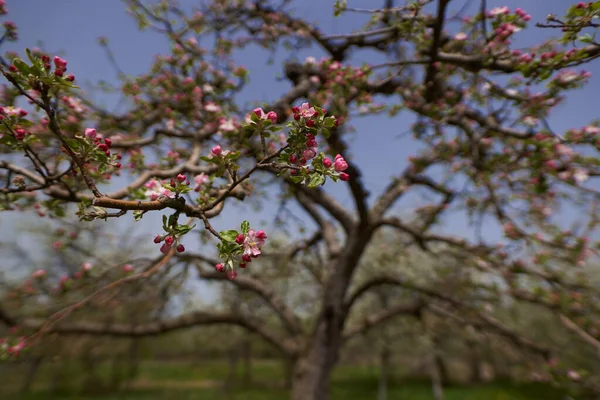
60	67
218	152
103	144
12	348
250	245
306	115
338	165
259	112
14	114
169	242
155	189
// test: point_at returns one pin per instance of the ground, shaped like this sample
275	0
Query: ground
203	381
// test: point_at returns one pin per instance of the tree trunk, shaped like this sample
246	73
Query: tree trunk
312	373
385	354
31	374
436	379
247	360
384	372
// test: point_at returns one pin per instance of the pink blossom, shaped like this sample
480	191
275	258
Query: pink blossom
253	242
573	375
200	180
498	11
38	274
155	189
460	36
580	175
227	125
212	107
307	111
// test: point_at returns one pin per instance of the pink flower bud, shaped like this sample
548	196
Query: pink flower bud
272	115
344	176
180	248
239	239
90	133
220	267
232	274
217	150
60	63
340	164
165	248
261	235
169	240
258	112
181	177
127	268
327	162
158	239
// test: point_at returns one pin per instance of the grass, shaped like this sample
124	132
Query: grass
186	381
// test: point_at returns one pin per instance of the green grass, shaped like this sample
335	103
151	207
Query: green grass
348	383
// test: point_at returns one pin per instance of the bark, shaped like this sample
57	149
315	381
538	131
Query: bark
311	374
31	374
247	360
312	369
385	354
436	380
384	372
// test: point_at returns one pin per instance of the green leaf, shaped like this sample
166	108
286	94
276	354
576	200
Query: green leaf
326	133
316	180
229	235
21	66
137	215
184	229
245	227
329	122
213	160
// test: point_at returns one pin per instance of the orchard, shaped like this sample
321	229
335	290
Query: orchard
183	146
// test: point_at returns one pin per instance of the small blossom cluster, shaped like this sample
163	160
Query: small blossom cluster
10	27
103	144
168	242
12	348
270	116
14	114
155	189
240	248
338	165
309	152
218	152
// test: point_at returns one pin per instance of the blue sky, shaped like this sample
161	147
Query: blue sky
73	26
